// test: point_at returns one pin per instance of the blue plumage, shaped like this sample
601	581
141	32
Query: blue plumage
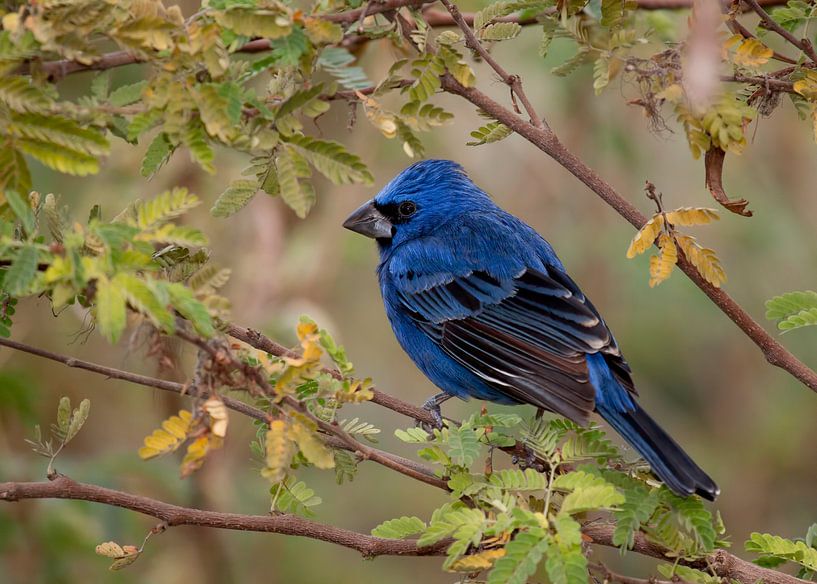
485	309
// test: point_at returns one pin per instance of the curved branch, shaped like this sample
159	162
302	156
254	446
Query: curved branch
63	487
550	144
724	564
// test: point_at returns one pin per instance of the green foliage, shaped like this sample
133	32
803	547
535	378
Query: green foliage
236	197
793	310
522	555
775	547
69	423
400	528
491	132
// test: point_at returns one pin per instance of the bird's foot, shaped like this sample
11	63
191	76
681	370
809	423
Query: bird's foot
529	460
432	406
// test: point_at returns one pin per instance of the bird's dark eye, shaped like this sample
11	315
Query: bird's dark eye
406	209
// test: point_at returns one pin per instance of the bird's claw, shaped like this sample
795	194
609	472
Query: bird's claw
432	406
528	461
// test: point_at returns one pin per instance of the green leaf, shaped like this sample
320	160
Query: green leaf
399	528
412	435
566	564
463	446
640	502
183	300
111	315
337	62
294	497
22	209
522	554
518	480
164	207
272	23
142	298
687	574
20	275
426	71
63	417
778	547
793	309
332	160
21	95
298	195
491	132
127	94
501	31
195	138
14	173
587	491
78	418
234	198
157	155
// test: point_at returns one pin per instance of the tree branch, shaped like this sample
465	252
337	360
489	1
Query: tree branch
396	462
770	24
725	564
63	487
550	144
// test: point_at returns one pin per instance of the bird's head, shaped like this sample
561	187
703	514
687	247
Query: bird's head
417	201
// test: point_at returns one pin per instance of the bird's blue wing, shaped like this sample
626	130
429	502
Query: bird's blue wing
527	335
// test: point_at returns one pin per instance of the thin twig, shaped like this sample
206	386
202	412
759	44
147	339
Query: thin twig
513	81
769	23
397	462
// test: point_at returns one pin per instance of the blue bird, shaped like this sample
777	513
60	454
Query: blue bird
482	305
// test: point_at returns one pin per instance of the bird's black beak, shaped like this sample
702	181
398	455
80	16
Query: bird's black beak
368	221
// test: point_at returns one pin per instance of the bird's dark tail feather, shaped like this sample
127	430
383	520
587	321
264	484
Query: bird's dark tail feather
668	461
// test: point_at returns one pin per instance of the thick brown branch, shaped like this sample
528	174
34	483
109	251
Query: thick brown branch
726	565
550	144
64	488
722	562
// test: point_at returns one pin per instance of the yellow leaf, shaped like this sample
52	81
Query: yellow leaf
478	561
752	53
123	555
197	452
661	265
645	236
110	549
671	93
312	447
279	451
807	86
218	412
167	438
704	259
692	216
355	391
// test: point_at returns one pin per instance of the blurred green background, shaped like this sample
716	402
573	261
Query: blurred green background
749	424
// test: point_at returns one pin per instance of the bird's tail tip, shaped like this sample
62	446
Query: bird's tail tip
666	458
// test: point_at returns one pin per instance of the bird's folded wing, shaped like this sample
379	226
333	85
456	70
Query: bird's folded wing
527	336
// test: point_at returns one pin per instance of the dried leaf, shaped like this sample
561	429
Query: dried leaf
646	236
279	451
168	438
661	265
704	259
714	182
218	412
692	216
478	561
